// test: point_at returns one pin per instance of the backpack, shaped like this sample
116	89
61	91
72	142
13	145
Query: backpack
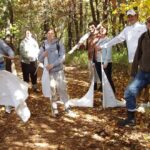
57	46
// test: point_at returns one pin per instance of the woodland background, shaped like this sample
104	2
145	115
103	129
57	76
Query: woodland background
68	17
92	128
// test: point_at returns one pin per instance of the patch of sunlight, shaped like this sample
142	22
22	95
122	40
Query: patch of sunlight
72	114
51	119
147	137
97	137
75	129
68	68
82	83
138	135
8	139
79	132
50	131
18	143
91	118
86	133
2	109
44	145
35	96
135	135
68	120
44	126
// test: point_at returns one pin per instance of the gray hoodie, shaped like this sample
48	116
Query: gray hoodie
55	57
5	50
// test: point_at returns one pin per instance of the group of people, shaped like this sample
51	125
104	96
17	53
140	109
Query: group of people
137	37
30	53
100	58
99	46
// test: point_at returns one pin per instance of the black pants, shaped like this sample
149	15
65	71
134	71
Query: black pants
8	65
108	71
28	71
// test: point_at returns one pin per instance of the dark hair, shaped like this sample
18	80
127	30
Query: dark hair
95	23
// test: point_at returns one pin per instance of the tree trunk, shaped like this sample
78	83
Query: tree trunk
69	35
81	16
105	11
92	10
75	19
10	18
97	11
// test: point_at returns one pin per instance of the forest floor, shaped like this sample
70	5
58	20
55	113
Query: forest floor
91	129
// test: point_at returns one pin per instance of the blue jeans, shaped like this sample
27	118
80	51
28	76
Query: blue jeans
2	66
141	80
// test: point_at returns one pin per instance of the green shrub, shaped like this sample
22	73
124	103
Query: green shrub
78	58
120	57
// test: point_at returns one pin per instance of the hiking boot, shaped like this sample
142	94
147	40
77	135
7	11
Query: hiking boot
54	112
130	120
67	110
70	113
126	122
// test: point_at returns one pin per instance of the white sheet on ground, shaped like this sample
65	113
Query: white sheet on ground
109	99
85	101
88	99
14	92
46	80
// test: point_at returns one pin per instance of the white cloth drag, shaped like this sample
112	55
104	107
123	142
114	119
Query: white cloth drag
46	90
109	99
14	92
88	99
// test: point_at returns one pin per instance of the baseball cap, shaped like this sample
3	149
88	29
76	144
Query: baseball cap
131	12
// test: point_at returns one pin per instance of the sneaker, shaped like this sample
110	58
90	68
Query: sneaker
54	109
55	112
70	113
67	110
8	109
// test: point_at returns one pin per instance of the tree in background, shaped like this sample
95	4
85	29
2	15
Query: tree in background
69	18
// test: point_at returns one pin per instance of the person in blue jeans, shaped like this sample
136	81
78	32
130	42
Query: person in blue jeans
141	75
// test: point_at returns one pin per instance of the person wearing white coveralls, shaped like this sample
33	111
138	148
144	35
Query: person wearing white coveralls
56	58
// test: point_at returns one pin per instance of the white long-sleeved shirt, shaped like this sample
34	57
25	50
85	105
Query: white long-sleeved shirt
29	50
130	34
